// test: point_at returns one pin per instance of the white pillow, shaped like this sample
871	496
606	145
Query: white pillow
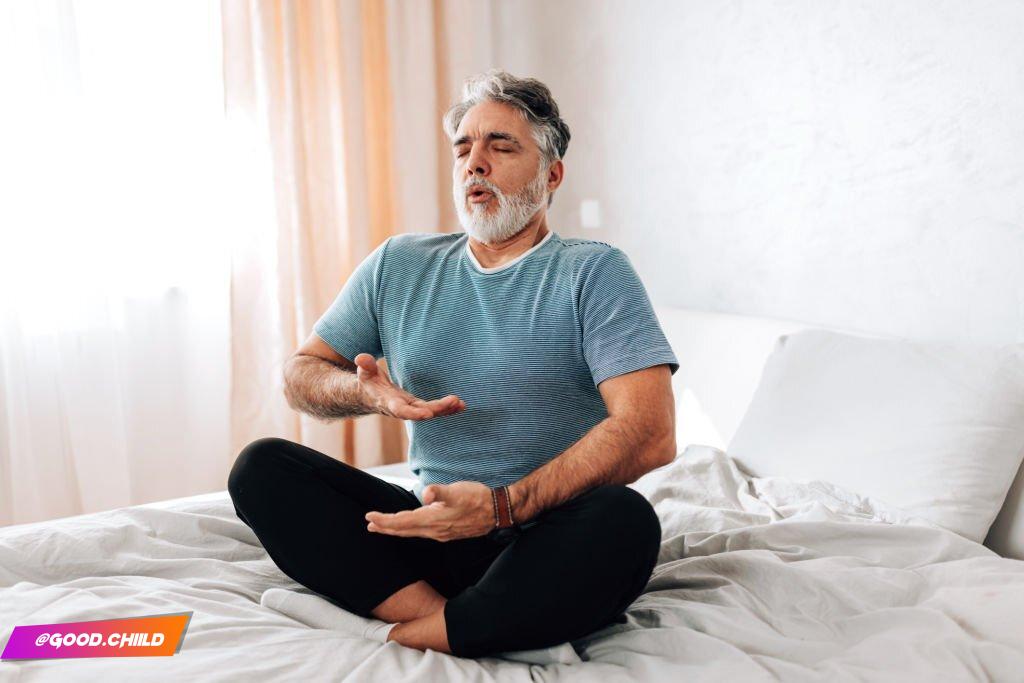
934	428
1006	536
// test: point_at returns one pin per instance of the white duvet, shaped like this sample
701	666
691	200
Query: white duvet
758	579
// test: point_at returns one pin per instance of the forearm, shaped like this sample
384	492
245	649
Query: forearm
615	451
322	389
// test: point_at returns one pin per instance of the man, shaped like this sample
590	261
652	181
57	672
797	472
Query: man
554	377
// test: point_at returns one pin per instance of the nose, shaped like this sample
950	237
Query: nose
477	164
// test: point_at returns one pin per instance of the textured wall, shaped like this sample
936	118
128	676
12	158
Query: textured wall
859	164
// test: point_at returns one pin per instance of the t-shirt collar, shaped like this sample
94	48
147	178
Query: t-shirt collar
503	266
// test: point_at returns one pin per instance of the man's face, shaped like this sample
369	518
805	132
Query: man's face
499	180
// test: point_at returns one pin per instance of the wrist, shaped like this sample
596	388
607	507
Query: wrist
501	507
368	403
518	496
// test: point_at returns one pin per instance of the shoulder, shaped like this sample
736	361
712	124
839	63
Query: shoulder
421	244
418	249
424	240
580	248
589	258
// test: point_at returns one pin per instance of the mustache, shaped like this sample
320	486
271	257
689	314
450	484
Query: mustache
481	183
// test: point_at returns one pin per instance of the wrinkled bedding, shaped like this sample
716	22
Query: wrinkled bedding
758	579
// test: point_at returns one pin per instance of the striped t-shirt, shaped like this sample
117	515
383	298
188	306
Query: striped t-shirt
524	344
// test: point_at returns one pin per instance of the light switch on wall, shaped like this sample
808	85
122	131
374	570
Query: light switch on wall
590	214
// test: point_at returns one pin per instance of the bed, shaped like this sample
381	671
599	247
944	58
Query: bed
759	577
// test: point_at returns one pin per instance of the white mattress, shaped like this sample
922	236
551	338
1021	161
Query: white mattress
757	579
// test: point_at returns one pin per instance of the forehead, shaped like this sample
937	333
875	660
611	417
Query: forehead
488	117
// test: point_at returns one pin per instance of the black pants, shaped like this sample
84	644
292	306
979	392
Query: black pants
573	572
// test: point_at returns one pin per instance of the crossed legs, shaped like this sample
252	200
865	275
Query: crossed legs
571	573
418	614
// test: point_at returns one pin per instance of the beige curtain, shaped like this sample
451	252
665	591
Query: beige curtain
334	114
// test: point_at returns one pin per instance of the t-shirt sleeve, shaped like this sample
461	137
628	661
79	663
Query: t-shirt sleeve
620	330
350	325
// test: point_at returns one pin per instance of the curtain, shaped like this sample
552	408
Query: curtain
335	110
186	188
113	272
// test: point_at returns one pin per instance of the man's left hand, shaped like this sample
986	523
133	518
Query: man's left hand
464	509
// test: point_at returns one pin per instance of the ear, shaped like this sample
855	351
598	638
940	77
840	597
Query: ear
556	172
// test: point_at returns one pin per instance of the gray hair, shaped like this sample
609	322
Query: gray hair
531	98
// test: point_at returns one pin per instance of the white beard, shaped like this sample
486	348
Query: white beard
511	215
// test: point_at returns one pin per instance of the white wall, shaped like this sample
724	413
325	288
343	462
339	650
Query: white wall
858	164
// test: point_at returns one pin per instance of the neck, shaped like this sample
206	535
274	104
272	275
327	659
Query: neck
492	255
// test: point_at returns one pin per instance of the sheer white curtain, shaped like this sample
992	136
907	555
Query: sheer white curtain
114	269
160	259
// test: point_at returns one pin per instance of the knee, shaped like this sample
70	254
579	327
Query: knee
631	538
628	517
251	463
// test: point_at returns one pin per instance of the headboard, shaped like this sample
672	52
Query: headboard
721	356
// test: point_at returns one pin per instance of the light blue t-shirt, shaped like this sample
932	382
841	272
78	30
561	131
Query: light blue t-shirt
524	344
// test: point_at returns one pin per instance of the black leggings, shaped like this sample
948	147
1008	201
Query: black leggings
574	571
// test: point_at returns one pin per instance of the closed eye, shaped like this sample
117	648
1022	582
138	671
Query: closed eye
459	155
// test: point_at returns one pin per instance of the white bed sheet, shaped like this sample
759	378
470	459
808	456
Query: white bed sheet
757	579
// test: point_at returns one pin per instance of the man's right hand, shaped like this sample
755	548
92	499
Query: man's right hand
389	399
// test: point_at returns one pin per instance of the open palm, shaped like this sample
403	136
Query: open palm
388	398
